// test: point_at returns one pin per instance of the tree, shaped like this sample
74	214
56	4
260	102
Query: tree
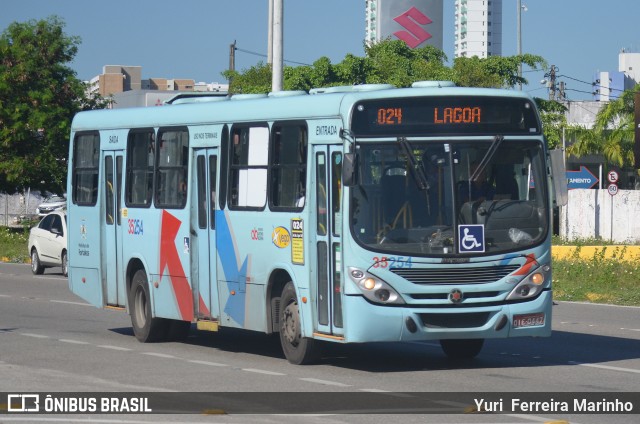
554	121
390	62
494	71
613	132
393	62
39	95
254	80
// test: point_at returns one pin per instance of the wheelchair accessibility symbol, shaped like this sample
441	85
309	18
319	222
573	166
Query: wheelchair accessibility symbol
471	238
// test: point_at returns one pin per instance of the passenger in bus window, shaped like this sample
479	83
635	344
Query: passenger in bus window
478	190
182	189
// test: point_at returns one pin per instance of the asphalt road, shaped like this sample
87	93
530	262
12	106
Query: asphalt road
52	341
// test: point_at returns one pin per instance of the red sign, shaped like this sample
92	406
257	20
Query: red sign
411	21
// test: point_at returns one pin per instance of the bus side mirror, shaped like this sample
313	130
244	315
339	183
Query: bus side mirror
349	169
559	177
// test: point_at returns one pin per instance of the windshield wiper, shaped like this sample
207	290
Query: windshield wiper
416	169
497	140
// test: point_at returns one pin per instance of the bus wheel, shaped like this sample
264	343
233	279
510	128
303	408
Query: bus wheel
145	328
462	349
297	349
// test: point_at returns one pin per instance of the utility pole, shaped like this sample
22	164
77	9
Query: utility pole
270	35
278	12
232	60
552	82
232	56
519	24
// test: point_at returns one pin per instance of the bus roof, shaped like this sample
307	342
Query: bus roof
332	102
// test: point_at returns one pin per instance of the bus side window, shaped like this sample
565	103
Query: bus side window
288	166
248	167
202	192
224	168
140	163
173	159
321	194
85	169
336	190
108	191
213	172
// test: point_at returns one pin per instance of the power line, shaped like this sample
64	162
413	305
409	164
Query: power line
579	91
593	84
264	55
575	79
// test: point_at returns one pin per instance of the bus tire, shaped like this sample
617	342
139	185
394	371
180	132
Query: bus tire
145	328
462	348
36	266
297	349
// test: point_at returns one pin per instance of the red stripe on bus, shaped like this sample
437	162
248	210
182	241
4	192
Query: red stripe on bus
169	258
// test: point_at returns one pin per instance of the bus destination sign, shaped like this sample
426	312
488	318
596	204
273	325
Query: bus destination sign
445	115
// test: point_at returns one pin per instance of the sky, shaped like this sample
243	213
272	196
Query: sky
190	38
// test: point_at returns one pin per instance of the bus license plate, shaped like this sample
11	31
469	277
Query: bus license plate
528	320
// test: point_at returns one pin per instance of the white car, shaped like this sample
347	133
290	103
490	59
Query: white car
48	243
50	204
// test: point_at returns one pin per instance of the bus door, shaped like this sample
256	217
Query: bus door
113	286
203	231
328	191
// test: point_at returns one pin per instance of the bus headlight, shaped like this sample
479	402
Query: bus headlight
374	289
532	284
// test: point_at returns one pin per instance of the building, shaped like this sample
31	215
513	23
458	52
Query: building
416	22
478	28
610	85
127	88
116	79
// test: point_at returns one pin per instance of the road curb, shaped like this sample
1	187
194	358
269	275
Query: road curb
615	252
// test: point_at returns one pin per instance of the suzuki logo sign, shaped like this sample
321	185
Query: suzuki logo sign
412	20
416	22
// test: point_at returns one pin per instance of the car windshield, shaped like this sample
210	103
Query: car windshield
451	197
55	199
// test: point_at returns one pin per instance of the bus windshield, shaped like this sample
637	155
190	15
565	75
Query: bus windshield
452	197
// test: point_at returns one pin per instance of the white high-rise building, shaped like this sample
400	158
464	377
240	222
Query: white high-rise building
478	28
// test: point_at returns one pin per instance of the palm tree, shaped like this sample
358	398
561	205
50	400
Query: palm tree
613	132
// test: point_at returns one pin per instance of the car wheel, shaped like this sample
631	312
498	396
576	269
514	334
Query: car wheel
65	264
36	266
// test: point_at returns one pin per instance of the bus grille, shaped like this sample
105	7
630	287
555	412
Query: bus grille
459	275
459	320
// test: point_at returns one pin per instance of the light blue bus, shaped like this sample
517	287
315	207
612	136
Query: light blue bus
347	214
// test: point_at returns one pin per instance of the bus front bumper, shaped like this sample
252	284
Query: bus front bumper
366	322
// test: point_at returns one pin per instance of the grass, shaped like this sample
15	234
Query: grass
559	241
596	280
13	244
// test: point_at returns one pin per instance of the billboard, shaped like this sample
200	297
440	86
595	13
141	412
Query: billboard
416	22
